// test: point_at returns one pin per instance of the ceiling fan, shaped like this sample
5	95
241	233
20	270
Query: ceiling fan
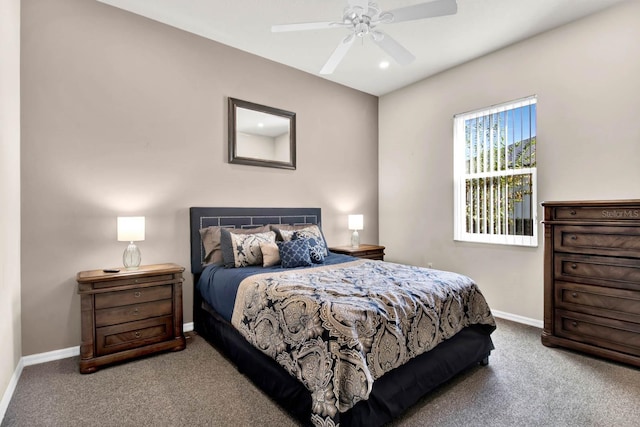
361	19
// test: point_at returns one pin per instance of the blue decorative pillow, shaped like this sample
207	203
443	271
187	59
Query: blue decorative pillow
294	253
316	249
312	231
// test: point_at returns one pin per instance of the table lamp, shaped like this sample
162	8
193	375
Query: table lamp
356	223
131	229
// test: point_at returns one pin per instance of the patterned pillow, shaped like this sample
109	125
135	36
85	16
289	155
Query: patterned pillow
241	250
294	253
316	250
287	228
306	232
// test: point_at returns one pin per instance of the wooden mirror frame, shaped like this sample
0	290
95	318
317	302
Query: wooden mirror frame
234	105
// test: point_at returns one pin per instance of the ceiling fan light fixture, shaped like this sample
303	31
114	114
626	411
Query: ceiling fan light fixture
361	29
361	19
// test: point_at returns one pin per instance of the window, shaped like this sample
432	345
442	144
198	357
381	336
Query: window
495	174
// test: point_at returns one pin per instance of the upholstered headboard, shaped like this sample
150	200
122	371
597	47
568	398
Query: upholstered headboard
242	218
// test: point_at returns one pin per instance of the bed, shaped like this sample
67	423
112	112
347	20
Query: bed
321	338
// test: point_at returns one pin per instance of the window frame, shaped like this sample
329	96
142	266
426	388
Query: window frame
461	176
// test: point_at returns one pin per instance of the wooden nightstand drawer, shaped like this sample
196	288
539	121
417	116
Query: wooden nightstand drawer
363	251
130	313
135	281
117	338
133	296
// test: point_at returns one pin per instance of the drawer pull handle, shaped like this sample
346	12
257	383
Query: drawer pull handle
136	312
575	295
574	324
572	212
574	266
573	237
137	294
137	334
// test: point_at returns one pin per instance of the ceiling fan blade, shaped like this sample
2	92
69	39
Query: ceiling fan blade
338	54
362	4
424	10
401	55
304	26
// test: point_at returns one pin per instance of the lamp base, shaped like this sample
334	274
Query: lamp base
131	257
355	239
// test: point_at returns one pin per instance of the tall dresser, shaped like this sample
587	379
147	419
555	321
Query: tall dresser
592	278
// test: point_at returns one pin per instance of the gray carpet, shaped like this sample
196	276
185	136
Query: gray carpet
525	384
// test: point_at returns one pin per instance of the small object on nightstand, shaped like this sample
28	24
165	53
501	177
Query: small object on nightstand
129	314
363	251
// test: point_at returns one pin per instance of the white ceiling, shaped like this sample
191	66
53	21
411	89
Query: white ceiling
479	27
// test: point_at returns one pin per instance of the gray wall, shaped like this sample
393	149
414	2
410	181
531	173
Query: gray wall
10	329
586	78
123	115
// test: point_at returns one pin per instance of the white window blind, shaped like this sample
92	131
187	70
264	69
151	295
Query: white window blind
495	174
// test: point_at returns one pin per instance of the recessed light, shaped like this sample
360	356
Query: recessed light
383	65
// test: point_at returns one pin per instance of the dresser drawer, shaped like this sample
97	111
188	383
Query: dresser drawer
133	296
112	339
616	272
597	213
599	331
609	241
600	301
130	313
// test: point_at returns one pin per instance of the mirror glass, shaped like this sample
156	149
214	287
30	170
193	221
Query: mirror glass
261	136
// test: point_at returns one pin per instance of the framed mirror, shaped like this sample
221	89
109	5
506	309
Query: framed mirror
261	135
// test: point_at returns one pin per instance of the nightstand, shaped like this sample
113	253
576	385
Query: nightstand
129	314
362	251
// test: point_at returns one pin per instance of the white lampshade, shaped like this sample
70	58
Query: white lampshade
130	228
356	222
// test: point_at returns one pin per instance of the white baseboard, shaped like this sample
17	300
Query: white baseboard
8	394
518	319
49	356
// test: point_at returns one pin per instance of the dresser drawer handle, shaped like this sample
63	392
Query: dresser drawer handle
574	266
574	324
572	212
573	237
575	295
137	294
136	312
137	334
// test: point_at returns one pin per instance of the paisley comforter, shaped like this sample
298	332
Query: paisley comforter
338	328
